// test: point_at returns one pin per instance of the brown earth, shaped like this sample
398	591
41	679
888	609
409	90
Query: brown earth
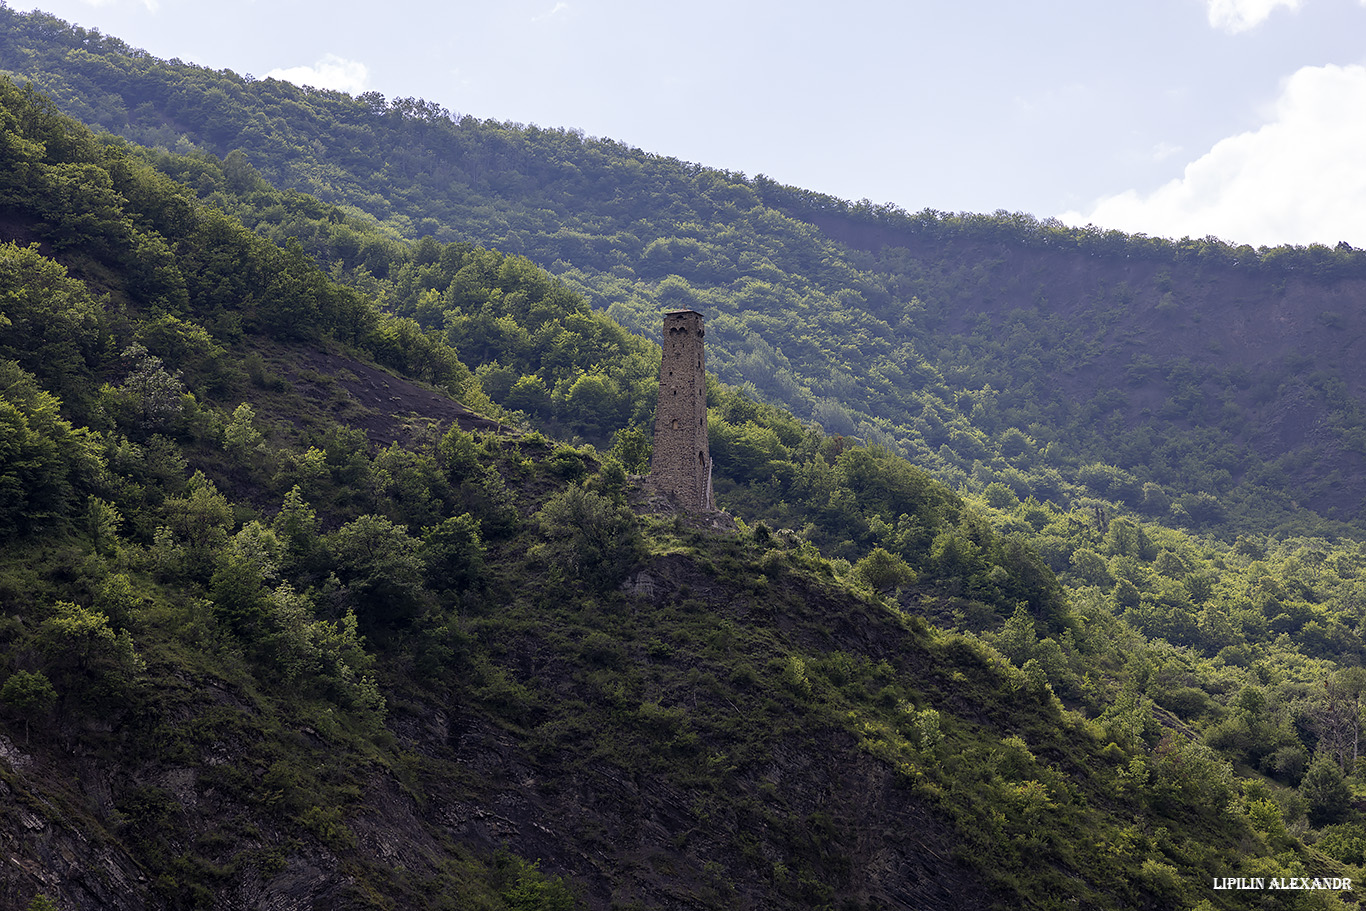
381	403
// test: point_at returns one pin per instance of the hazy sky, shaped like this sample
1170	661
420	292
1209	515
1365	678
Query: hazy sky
1244	119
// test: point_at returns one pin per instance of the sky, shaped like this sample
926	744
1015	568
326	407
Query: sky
1242	119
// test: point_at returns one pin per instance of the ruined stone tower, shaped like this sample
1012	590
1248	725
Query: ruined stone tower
681	465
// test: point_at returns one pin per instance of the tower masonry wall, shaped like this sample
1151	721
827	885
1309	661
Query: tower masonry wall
681	464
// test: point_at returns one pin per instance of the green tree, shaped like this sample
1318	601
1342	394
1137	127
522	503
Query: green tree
1127	595
201	518
150	398
238	591
49	322
528	394
632	446
296	528
380	564
30	695
1325	792
999	496
589	537
1202	508
1336	716
240	436
116	599
47	466
1090	568
86	654
1155	501
103	521
927	732
883	571
1345	843
1017	637
458	454
452	554
531	890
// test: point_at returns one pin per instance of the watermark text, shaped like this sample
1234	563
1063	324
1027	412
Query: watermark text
1287	883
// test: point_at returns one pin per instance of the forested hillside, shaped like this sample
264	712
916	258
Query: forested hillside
1209	386
324	578
282	627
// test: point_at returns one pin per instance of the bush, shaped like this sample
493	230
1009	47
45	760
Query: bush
1344	843
589	537
882	571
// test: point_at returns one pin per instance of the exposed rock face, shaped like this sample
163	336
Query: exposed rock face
681	464
641	585
77	819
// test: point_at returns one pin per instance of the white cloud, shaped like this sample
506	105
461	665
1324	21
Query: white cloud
558	9
150	4
1240	15
331	72
1164	150
1297	179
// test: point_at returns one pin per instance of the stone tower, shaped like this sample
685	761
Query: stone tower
681	465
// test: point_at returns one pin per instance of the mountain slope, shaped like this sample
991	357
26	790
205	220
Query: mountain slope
254	655
1094	364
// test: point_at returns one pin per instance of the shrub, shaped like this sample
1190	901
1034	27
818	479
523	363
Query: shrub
1345	843
589	537
882	571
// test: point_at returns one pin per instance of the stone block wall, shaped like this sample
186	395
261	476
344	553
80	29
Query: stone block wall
681	465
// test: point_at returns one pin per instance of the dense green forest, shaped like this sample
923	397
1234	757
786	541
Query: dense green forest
296	568
1062	362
